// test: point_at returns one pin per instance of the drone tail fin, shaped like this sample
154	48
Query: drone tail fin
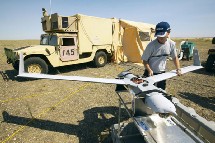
196	58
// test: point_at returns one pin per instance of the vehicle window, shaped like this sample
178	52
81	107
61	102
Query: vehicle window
53	40
49	40
68	42
65	22
44	40
55	25
144	36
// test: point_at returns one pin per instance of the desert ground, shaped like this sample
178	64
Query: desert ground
57	111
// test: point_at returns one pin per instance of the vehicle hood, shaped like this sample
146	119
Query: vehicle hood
35	49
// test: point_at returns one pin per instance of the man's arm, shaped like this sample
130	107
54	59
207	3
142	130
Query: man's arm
177	65
147	67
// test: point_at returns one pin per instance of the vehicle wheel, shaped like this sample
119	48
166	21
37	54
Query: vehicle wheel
210	64
16	65
100	59
213	40
36	65
188	58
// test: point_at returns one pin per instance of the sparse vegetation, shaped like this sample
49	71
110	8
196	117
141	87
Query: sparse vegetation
65	111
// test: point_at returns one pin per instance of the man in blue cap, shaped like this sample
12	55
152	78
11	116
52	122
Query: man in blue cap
156	53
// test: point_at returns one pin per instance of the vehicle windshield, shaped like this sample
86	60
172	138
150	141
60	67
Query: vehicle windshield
48	40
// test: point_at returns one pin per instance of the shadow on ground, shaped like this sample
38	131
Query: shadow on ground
9	75
206	102
88	130
71	68
204	72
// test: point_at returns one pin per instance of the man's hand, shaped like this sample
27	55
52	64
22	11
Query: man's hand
177	65
150	72
178	71
147	67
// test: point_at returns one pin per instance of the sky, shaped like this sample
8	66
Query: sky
21	19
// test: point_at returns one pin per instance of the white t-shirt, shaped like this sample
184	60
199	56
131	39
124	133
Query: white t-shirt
156	54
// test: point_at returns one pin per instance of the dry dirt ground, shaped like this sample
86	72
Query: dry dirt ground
55	111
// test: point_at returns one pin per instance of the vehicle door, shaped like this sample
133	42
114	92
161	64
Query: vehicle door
69	49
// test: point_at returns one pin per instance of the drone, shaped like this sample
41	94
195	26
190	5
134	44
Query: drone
154	96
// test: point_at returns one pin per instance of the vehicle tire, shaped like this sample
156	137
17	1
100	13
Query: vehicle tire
100	59
35	65
16	65
210	64
213	40
187	57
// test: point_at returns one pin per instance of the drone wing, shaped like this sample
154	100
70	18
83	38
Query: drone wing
73	78
62	77
196	65
167	75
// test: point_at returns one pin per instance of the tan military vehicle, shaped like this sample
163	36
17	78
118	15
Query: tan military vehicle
79	38
67	40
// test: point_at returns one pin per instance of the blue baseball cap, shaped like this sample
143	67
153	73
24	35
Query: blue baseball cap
161	29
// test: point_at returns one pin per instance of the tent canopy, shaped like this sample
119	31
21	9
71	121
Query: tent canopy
135	38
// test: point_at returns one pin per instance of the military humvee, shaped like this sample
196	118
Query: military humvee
67	40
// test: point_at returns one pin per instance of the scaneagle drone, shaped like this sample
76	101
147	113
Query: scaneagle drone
154	98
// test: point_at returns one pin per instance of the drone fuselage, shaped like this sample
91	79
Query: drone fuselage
153	96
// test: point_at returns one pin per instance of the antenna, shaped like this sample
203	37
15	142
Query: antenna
50	4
